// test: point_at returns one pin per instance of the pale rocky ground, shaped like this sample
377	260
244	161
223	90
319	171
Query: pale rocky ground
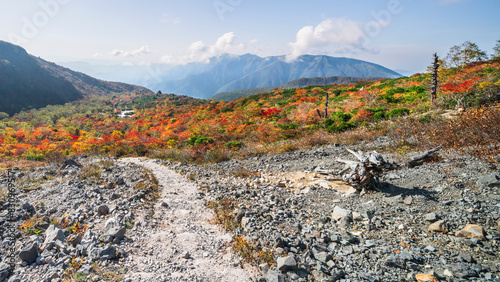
316	228
179	236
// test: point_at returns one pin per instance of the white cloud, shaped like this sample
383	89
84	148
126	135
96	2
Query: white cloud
334	36
134	53
200	52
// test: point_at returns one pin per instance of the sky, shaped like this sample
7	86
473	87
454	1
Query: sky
398	34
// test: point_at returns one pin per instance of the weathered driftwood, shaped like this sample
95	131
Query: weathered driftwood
420	159
365	172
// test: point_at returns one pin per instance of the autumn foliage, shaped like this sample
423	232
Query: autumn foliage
189	129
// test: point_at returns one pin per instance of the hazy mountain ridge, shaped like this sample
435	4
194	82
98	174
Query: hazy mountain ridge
24	84
87	84
29	82
297	83
251	71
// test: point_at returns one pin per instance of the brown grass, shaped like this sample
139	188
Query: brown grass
224	213
475	132
246	173
250	253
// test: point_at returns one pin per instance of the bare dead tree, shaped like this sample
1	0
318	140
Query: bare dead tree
365	172
434	75
326	108
326	105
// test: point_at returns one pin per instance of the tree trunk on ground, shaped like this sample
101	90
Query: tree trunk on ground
364	173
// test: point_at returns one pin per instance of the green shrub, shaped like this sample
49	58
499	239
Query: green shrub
340	116
425	119
289	126
378	116
340	126
377	109
234	145
338	92
35	157
398	112
396	90
416	88
199	140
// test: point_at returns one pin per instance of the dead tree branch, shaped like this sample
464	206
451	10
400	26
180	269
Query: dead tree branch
364	172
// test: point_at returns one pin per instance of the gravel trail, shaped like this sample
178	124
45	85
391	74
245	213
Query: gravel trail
178	242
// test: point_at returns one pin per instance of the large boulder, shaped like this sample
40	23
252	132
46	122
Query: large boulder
107	252
53	233
472	231
114	228
4	271
287	263
70	163
29	253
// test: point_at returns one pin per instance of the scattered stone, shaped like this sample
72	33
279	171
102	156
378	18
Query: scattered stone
472	231
426	278
29	208
408	200
103	210
4	271
461	270
432	217
466	258
337	274
53	233
70	163
74	239
15	278
356	216
439	226
186	255
274	276
286	263
323	256
29	253
447	273
490	180
120	181
85	269
107	252
430	249
339	213
384	242
114	228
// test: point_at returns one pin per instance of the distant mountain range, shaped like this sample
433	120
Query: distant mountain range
28	82
301	82
227	73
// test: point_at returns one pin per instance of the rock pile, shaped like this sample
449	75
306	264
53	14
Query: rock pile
73	219
438	221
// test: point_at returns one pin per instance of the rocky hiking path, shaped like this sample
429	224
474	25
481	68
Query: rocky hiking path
177	242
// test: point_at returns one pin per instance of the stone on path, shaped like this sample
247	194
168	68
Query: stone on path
287	263
425	278
472	231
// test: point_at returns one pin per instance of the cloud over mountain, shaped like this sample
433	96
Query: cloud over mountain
134	53
332	36
200	52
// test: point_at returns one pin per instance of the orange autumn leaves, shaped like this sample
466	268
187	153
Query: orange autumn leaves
167	121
